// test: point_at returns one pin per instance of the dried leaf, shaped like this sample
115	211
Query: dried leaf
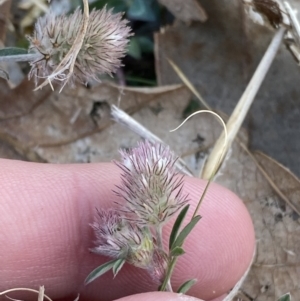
4	74
276	226
219	57
282	180
188	10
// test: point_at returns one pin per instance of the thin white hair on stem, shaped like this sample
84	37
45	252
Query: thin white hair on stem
220	159
40	292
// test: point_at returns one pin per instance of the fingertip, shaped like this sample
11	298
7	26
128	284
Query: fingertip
57	202
159	296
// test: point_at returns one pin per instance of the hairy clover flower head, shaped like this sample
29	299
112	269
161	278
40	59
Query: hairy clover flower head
103	47
150	185
151	190
118	238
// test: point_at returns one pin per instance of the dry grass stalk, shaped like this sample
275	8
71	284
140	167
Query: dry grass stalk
238	116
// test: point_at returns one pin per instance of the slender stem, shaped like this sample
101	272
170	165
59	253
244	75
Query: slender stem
169	286
159	236
167	281
160	245
237	117
20	57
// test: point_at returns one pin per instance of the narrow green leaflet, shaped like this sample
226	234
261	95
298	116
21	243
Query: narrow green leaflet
177	225
99	271
118	266
8	51
186	286
286	297
177	251
185	232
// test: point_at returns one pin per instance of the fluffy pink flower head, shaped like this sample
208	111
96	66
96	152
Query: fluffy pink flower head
150	185
103	47
116	237
152	191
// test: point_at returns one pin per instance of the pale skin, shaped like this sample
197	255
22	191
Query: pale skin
45	236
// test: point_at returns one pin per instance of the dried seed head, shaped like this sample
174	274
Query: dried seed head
103	47
150	184
269	10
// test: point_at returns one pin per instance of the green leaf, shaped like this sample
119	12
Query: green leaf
286	297
177	225
142	10
185	232
134	49
186	286
177	251
118	266
146	44
116	5
99	271
12	51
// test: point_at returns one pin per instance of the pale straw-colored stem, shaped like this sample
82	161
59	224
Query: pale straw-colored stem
237	117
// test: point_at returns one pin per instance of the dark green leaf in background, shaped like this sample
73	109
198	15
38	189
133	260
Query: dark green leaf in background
286	297
9	51
143	10
134	49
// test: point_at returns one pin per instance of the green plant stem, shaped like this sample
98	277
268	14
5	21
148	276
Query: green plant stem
238	115
159	237
160	245
167	281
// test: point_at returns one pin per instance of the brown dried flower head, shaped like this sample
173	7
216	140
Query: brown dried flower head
103	47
